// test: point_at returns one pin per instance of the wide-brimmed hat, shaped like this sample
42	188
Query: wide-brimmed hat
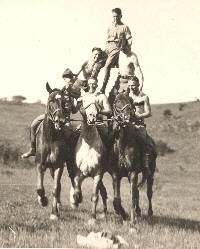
68	73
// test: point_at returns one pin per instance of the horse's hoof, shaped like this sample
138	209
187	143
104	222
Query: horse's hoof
53	217
92	222
74	206
43	201
102	216
133	230
59	206
150	213
138	212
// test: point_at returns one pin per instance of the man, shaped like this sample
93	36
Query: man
68	78
89	69
102	104
128	68
142	111
118	36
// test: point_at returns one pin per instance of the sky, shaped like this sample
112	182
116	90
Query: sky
41	38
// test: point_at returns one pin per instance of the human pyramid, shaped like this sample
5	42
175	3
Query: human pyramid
117	53
120	146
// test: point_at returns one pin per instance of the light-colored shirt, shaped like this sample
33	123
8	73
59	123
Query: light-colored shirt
117	36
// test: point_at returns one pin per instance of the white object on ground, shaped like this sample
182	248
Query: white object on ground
102	240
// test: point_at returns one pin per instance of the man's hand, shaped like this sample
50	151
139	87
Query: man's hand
138	115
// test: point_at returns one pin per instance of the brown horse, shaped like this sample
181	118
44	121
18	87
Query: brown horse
126	158
52	149
89	159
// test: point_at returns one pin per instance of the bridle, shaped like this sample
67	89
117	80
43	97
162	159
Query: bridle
83	109
52	114
120	116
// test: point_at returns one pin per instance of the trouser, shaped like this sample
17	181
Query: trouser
111	61
147	142
142	135
33	128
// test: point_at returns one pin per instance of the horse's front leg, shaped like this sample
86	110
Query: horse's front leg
56	193
95	197
75	191
117	198
135	209
42	199
104	197
150	193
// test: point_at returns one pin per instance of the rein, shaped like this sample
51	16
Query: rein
51	115
121	109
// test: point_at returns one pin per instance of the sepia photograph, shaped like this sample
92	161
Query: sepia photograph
100	124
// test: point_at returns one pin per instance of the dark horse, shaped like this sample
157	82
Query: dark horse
126	157
52	148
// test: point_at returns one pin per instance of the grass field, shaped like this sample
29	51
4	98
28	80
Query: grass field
176	199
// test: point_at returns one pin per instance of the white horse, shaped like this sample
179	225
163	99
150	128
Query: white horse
89	157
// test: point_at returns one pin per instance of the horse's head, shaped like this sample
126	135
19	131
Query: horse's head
89	109
123	109
56	107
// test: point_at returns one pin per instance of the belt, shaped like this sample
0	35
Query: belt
112	41
126	77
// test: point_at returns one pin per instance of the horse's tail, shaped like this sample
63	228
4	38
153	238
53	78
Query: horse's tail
143	180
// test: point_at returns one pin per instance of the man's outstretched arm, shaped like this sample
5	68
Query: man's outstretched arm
138	71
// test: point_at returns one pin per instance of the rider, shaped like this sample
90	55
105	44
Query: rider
89	69
68	78
118	35
102	104
142	111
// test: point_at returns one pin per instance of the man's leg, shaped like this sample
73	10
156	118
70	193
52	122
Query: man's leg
142	136
111	61
33	130
77	86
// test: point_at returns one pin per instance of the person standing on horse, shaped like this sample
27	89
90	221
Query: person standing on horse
69	80
142	110
89	69
118	35
128	68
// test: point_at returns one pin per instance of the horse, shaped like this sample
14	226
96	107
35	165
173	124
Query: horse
90	157
52	149
126	158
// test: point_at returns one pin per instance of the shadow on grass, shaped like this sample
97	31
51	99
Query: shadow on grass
179	223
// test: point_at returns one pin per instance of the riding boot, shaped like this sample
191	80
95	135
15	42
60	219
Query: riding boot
31	152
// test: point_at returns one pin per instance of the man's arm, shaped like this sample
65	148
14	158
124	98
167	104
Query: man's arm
128	35
106	106
138	71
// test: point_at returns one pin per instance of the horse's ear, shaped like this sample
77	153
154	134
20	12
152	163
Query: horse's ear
49	90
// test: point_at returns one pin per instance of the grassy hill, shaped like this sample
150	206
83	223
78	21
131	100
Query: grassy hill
176	200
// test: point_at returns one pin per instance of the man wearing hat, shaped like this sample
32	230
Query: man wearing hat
68	78
142	111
